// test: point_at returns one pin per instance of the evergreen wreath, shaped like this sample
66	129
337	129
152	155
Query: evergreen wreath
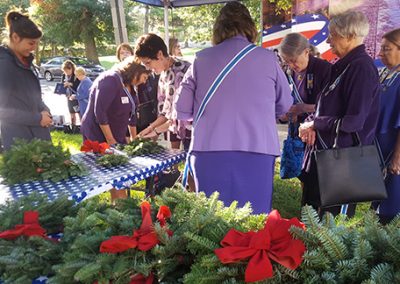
38	160
338	251
112	160
141	146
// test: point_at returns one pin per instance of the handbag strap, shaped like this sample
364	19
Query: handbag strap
210	93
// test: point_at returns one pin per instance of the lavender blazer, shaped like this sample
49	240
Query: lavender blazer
241	116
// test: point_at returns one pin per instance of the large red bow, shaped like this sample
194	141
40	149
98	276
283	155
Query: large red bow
31	227
273	242
94	146
145	238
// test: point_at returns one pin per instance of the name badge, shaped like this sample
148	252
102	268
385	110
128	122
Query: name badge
124	100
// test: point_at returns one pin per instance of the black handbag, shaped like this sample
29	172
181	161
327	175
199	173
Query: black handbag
349	175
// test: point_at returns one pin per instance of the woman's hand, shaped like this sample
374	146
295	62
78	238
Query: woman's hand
307	133
146	131
111	141
394	166
46	120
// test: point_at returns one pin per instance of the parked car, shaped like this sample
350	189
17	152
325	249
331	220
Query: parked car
52	68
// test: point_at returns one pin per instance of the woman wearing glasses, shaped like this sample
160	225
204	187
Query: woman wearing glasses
388	133
352	95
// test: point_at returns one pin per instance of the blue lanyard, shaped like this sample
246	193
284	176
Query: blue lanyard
128	94
210	93
385	81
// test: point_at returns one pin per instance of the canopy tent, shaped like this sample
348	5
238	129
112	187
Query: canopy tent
175	4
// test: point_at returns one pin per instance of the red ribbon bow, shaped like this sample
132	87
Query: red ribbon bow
145	238
31	227
274	242
94	146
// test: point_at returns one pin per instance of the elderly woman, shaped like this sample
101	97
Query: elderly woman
82	92
388	133
111	105
235	141
308	74
352	95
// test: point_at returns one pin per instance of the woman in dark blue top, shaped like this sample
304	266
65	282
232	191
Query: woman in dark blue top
387	131
354	98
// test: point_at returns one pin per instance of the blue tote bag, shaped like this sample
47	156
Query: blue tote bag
292	154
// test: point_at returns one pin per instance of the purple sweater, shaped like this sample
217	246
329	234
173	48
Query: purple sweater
241	115
108	104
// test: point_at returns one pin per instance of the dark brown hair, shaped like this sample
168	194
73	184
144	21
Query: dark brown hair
149	45
130	69
68	64
22	26
234	19
126	46
393	36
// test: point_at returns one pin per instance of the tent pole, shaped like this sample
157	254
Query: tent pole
166	35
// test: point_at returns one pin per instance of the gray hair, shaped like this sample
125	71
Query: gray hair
350	24
293	45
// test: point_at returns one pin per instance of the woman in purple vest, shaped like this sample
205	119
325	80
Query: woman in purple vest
235	141
351	95
111	106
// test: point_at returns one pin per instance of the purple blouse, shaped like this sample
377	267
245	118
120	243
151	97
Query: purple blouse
108	104
241	115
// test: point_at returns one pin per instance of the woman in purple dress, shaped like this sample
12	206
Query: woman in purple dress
111	105
387	131
235	142
351	95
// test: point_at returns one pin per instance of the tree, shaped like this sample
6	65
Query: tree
79	21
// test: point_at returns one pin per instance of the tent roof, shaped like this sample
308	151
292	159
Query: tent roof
180	3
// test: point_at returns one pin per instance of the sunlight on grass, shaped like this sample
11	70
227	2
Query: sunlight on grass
72	142
108	61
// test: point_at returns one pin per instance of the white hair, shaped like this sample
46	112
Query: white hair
350	24
293	45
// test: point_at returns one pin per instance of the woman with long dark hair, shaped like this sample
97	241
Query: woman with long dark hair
22	111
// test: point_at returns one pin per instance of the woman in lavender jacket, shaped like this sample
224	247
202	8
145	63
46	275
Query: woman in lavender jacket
235	142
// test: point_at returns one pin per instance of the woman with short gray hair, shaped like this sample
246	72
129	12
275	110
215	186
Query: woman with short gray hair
352	96
307	75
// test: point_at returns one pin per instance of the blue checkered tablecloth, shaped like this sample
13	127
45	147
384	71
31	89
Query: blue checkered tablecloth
100	179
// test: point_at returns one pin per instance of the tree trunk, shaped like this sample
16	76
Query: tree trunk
91	50
87	36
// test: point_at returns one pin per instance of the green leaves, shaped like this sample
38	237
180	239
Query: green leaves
112	160
38	160
141	146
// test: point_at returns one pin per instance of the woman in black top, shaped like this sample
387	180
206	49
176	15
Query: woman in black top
71	83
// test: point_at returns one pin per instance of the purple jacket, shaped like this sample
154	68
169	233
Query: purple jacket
241	115
355	100
108	104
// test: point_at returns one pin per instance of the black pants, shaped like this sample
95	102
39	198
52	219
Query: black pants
311	193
